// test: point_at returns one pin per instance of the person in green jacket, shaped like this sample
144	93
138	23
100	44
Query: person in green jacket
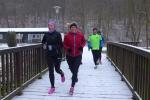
94	41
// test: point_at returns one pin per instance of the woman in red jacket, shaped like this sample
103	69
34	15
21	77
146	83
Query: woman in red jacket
74	42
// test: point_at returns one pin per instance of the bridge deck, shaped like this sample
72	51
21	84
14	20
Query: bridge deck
103	83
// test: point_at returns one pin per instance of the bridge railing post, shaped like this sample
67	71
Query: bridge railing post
40	62
18	71
133	65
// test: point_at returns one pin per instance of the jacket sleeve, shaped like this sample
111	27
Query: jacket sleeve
60	43
66	43
102	42
89	43
60	46
44	39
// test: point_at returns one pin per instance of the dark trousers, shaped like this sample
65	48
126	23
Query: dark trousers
74	63
53	62
100	53
95	56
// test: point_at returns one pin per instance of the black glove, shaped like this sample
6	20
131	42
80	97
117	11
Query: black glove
80	49
59	59
69	50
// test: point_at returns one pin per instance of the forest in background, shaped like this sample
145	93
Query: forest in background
120	20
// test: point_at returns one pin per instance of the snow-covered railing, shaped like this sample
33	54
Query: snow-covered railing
133	63
131	43
19	66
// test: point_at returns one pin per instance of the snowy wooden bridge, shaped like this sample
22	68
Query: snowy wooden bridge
107	82
103	83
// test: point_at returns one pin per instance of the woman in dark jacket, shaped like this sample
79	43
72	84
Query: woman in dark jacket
52	43
74	42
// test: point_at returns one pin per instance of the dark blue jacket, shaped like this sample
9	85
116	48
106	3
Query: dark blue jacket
53	42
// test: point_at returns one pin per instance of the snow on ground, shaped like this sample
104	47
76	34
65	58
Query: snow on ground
103	83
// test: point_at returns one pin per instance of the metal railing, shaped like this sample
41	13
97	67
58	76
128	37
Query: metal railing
133	64
19	66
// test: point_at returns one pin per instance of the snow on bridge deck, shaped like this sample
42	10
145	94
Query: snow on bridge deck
103	83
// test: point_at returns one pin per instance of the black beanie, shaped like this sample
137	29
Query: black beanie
73	24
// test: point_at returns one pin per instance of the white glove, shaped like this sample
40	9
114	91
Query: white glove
49	47
44	46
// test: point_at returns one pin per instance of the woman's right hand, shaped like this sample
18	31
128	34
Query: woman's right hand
44	46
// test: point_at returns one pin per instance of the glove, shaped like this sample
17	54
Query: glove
80	49
44	46
59	59
69	50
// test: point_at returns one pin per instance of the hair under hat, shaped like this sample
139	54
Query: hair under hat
94	29
73	24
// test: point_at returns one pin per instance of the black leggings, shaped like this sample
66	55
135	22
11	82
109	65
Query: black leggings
53	62
74	63
96	54
100	53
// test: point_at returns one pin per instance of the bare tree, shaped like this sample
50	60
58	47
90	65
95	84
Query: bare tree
147	20
132	15
5	13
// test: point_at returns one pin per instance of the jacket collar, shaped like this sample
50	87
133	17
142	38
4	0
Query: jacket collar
52	32
73	33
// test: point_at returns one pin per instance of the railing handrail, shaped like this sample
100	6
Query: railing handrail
21	47
19	67
133	64
135	49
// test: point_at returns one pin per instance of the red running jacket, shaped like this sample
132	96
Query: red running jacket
74	41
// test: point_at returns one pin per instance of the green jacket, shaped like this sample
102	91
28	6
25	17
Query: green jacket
94	41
